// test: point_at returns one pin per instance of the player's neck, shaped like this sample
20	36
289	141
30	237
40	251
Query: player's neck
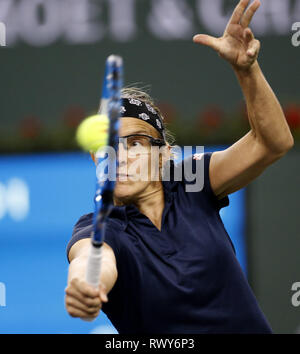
152	204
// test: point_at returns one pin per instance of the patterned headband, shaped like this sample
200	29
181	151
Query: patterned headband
133	108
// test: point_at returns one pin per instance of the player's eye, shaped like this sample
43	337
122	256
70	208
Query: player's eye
136	143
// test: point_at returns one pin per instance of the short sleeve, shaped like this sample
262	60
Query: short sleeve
84	227
196	168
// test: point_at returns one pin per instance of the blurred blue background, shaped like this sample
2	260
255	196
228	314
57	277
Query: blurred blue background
43	195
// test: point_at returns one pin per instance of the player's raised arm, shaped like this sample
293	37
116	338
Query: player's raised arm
269	137
83	300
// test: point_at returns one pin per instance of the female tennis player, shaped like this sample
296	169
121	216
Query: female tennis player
168	263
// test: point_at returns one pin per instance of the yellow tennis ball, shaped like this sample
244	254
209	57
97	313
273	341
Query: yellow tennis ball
92	133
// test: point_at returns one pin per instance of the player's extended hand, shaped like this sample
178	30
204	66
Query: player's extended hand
82	300
237	45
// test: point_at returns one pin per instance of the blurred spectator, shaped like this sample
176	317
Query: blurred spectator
30	127
211	118
292	114
73	116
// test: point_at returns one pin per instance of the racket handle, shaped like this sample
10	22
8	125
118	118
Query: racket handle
93	266
93	270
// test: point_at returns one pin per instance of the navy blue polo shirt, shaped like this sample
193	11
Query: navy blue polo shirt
183	279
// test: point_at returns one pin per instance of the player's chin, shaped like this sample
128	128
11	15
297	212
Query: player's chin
128	190
123	189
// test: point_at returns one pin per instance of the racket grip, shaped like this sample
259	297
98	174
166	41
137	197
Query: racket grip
93	270
93	266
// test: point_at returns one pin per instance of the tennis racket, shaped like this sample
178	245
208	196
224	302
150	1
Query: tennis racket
110	105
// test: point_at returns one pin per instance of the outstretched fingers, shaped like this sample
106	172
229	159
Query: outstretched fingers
238	12
248	15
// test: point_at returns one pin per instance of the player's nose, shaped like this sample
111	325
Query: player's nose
122	155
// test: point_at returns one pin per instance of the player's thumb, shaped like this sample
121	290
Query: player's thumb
103	293
207	40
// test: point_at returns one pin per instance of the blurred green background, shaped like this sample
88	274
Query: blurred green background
52	68
51	76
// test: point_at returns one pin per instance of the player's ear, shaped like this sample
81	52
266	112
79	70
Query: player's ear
93	157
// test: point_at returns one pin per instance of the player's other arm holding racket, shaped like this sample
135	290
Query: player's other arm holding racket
83	300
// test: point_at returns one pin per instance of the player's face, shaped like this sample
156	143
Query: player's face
137	175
